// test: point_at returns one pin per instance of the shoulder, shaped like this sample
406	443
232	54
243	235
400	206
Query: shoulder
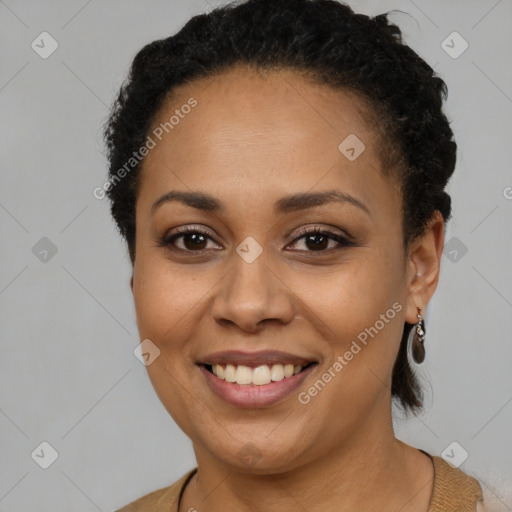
162	500
453	490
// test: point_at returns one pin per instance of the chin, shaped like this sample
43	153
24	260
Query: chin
253	461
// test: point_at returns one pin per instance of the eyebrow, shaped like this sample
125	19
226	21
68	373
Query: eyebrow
292	203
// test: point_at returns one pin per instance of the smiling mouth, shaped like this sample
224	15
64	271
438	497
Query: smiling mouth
255	376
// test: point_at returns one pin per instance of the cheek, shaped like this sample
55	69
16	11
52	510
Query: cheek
359	310
354	295
164	297
165	303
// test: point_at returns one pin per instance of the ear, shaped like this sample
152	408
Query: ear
424	262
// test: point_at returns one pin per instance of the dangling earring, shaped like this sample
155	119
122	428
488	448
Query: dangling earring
418	347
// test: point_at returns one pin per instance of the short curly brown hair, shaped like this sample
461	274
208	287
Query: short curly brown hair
328	41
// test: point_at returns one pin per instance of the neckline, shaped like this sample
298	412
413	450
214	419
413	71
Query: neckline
194	471
185	483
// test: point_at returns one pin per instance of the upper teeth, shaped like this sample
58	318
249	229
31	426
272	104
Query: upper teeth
258	376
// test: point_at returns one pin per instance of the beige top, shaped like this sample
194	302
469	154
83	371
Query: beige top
453	491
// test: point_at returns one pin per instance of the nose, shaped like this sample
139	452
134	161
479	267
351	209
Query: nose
252	294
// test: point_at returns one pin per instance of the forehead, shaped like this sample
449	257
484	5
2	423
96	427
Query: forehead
272	133
245	107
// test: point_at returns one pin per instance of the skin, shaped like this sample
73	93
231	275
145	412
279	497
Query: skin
250	141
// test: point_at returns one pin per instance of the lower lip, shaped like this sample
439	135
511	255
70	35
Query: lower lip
255	396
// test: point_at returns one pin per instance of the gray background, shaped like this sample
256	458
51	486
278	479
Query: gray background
68	374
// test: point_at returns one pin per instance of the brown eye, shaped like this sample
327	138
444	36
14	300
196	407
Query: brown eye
317	240
193	240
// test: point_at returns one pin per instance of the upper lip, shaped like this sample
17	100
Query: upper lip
253	359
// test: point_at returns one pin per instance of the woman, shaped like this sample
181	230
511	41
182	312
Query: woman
277	169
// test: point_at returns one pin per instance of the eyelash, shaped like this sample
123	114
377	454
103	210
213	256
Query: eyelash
168	241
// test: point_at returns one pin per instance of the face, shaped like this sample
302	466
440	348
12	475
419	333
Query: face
235	282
